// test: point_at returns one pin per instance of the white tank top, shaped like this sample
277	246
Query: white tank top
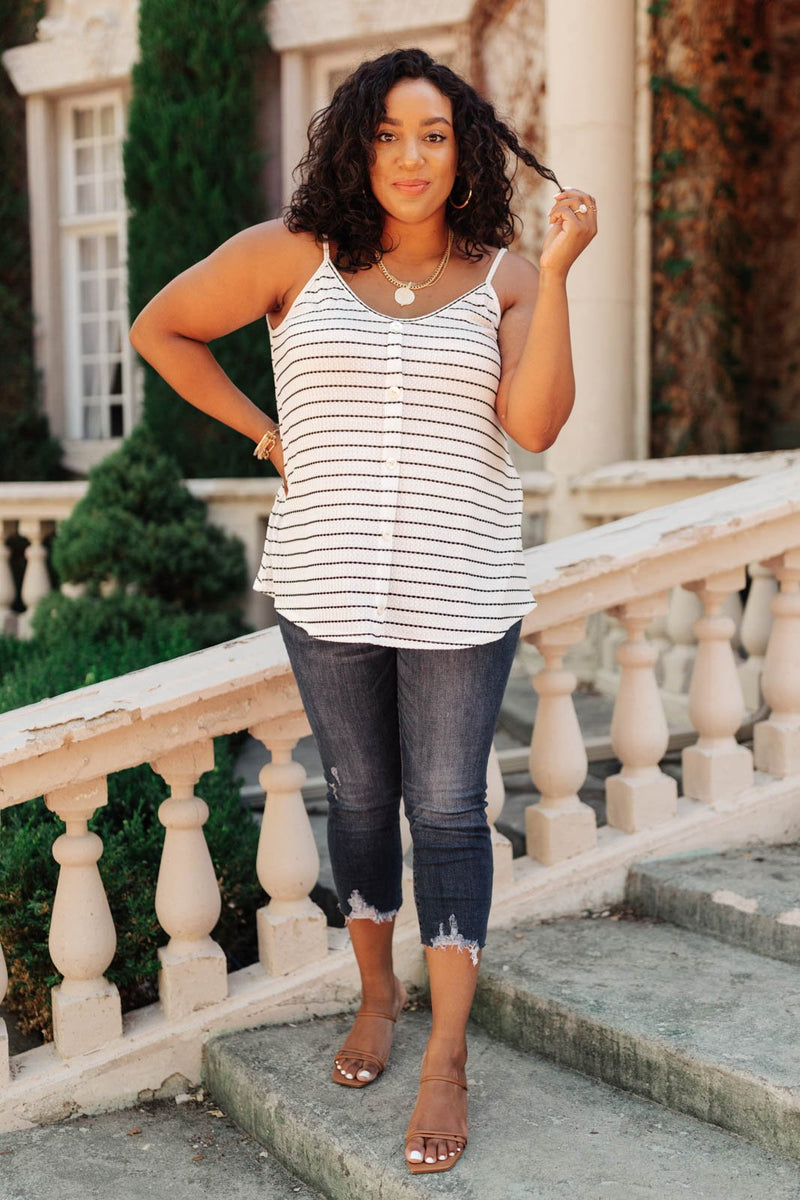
402	524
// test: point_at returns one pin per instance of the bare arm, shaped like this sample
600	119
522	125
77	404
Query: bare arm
247	277
537	386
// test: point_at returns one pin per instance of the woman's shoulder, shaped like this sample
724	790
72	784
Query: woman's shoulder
515	279
274	239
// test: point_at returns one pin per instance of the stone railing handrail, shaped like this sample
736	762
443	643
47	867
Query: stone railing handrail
662	547
211	692
621	488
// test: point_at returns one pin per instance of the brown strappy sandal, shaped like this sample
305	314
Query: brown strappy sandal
352	1052
443	1164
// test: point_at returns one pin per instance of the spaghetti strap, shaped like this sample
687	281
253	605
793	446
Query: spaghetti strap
493	267
325	250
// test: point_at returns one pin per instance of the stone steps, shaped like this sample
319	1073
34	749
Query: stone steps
537	1131
748	898
182	1151
675	1016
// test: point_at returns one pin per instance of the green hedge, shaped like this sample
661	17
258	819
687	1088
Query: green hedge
192	181
27	450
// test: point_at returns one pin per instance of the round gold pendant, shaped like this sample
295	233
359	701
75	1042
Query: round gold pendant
404	296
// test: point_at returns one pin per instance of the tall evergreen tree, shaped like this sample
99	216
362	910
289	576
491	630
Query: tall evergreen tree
26	449
191	177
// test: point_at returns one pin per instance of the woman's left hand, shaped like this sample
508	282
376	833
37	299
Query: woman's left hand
571	229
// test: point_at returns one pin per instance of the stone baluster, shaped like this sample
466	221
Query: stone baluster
756	625
560	825
716	768
87	1012
408	909
193	967
36	583
777	740
502	850
678	660
292	930
641	794
8	591
5	1073
657	634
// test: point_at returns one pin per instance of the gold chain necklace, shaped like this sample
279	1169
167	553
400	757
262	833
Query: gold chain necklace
405	291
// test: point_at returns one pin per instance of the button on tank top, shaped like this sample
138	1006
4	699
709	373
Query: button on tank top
402	522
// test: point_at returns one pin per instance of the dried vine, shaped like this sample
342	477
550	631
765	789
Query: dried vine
719	109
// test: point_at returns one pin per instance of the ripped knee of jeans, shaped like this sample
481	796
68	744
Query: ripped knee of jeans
361	911
444	940
334	783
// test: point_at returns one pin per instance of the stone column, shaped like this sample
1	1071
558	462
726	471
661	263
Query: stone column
590	143
777	740
560	825
641	794
503	851
292	930
193	967
716	768
294	116
36	583
8	591
756	626
86	1008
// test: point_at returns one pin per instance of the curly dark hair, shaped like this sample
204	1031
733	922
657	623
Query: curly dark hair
334	199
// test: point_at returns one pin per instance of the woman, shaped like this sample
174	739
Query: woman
405	340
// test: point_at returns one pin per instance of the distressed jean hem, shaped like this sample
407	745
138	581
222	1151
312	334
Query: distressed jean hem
361	911
444	941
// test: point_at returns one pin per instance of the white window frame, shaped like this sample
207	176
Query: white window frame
72	225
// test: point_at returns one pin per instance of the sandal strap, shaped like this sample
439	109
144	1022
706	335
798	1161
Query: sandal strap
445	1079
351	1052
436	1133
385	1016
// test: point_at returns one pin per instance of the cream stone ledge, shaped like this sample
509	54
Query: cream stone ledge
306	24
623	488
140	717
652	551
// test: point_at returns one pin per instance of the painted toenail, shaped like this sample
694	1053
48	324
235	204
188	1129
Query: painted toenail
349	1074
452	1153
364	1074
415	1156
442	1157
430	1158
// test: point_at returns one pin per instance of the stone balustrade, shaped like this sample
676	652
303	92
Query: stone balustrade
168	715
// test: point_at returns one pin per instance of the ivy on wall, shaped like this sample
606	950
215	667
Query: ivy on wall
191	178
716	107
26	449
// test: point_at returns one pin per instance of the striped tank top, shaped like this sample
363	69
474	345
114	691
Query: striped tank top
402	523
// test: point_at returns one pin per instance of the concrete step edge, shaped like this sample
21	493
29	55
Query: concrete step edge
294	1137
765	1114
718	914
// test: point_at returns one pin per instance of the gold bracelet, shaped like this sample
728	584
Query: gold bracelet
267	443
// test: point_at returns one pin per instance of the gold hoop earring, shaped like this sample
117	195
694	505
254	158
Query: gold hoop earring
466	202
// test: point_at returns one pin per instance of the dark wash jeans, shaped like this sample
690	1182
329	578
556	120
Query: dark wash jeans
390	721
